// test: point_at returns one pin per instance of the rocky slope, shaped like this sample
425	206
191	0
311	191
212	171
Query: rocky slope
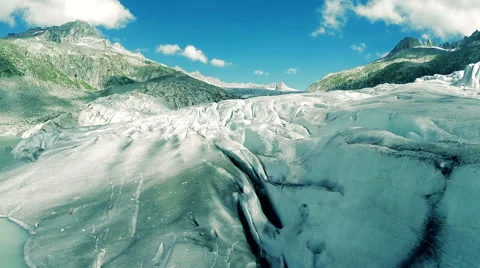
45	71
74	55
409	60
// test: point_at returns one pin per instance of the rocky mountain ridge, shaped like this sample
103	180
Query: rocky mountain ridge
47	71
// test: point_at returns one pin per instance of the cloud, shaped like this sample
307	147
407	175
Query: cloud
333	16
110	14
260	72
190	52
168	49
220	63
426	36
318	32
440	18
142	50
382	55
194	54
291	71
359	48
443	18
380	10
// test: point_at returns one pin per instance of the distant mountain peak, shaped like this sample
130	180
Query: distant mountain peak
281	86
72	31
411	58
406	43
69	32
471	40
79	27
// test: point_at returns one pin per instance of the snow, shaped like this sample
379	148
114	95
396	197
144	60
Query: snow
468	79
438	48
281	86
471	77
380	177
38	32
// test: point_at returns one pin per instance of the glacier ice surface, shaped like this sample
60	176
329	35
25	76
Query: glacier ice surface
379	177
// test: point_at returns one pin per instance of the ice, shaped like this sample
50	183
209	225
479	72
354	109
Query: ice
471	77
468	79
380	177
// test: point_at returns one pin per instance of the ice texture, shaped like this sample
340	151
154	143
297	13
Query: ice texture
380	177
468	79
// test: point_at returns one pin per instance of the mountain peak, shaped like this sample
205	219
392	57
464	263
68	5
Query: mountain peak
217	82
65	33
406	43
79	26
72	31
471	40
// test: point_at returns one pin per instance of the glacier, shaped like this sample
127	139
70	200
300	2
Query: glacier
377	177
467	79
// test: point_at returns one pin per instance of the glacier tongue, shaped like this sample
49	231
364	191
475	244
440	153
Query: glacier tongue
471	77
468	79
380	177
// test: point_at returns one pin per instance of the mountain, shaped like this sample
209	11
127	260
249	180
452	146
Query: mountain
46	71
409	60
71	32
406	43
281	86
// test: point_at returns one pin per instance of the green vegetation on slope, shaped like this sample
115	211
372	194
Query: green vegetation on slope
403	66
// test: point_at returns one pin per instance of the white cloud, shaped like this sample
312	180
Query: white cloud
426	36
382	55
260	72
194	54
380	10
220	63
142	50
333	15
107	13
291	71
168	49
440	18
318	32
190	52
443	18
359	48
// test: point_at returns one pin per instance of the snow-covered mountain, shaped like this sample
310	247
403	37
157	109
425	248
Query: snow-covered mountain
46	71
281	86
411	58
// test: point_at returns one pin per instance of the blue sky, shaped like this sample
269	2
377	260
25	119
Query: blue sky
313	37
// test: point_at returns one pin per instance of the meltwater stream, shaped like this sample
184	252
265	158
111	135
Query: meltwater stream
6	145
12	236
12	240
